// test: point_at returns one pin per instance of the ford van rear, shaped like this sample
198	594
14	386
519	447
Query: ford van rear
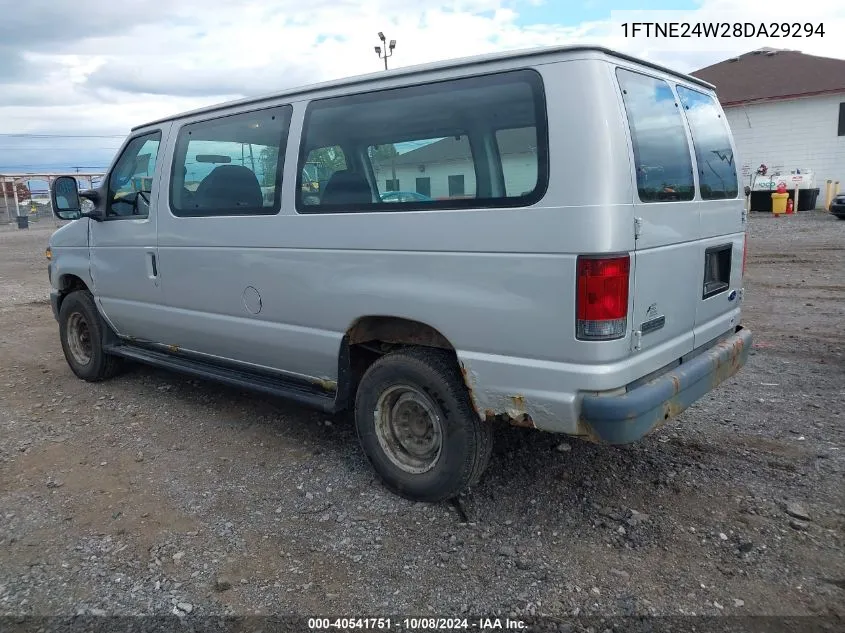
552	238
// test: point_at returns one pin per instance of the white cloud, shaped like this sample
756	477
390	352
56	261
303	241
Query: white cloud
98	67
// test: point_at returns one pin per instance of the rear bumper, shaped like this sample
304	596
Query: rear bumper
837	209
628	417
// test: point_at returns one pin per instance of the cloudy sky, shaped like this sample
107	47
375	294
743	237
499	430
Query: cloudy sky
95	68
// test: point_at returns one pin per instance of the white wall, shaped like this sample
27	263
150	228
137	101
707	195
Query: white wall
799	133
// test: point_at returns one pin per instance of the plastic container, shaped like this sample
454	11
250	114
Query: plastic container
779	203
23	222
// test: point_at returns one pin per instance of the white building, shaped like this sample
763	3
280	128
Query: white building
786	110
445	169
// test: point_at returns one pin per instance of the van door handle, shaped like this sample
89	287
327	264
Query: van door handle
152	266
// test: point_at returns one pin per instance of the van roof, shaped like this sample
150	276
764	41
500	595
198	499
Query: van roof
421	68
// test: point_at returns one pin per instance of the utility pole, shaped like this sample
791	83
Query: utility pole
388	48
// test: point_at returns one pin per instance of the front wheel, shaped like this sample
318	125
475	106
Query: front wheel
81	331
417	426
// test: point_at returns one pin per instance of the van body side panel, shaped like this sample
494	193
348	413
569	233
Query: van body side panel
498	283
511	269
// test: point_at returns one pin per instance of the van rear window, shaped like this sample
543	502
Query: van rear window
713	153
661	152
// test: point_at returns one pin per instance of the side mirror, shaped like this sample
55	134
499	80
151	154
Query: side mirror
64	195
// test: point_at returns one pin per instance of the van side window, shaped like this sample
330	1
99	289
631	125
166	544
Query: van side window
518	151
131	180
661	152
230	165
319	167
430	146
712	144
442	160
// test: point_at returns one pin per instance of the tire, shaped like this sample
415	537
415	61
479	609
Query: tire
416	398
81	329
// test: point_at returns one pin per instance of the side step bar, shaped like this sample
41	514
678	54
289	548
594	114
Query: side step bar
298	391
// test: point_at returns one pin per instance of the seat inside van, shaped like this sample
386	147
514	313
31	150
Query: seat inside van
347	187
228	187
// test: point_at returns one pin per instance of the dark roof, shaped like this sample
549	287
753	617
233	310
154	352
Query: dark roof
769	74
514	141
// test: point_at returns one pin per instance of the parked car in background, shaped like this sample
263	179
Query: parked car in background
404	196
837	206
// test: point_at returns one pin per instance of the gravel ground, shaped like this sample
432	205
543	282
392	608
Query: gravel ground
156	494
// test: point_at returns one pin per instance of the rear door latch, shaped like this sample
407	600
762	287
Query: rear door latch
637	340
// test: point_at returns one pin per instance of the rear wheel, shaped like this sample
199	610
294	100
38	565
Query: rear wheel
417	426
81	331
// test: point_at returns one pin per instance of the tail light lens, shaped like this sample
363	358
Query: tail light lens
601	306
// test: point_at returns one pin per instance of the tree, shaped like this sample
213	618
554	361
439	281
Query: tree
383	157
268	160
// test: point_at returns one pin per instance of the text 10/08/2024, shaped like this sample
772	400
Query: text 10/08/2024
415	624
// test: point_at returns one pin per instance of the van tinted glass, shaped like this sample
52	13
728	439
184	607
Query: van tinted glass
438	158
320	165
429	146
661	152
518	151
230	165
712	143
132	174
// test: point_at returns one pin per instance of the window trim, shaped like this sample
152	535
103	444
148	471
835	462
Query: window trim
687	135
287	113
528	75
154	132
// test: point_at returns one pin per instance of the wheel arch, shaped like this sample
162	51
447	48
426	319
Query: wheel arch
369	337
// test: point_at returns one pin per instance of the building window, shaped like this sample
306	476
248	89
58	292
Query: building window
230	165
841	131
456	186
392	136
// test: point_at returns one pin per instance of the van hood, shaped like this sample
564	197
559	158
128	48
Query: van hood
72	234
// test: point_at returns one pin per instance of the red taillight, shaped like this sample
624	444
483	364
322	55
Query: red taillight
601	307
744	252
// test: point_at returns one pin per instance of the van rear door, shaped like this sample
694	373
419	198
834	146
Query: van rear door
667	260
722	215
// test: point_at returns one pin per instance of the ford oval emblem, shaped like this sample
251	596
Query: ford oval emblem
732	296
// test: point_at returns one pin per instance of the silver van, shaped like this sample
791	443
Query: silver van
552	238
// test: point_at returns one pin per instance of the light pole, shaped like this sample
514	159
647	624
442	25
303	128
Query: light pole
388	49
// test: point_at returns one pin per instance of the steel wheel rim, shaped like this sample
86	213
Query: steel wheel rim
408	428
79	338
